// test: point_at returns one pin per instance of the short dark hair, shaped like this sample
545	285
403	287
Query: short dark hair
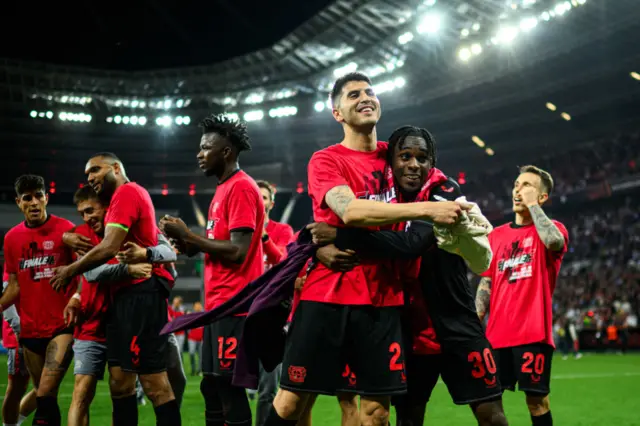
85	193
27	183
234	130
401	133
339	84
109	155
268	186
545	176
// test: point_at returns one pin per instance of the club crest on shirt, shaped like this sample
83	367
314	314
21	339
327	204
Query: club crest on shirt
48	245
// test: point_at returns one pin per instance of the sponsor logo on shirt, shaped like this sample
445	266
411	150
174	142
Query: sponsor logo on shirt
35	261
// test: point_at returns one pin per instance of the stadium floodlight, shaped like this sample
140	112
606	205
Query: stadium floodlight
566	116
476	48
164	121
232	116
635	75
254	98
478	141
574	3
33	114
551	106
405	38
319	106
285	111
429	24
117	119
545	16
109	119
167	104
464	54
464	33
41	114
186	120
429	2
179	103
255	115
528	2
143	104
582	1
142	121
133	120
506	34
527	24
125	120
345	69
400	82
476	26
49	114
489	151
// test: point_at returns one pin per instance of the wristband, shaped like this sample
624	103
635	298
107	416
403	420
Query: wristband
76	296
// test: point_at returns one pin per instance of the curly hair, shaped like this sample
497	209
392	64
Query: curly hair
27	183
234	130
401	133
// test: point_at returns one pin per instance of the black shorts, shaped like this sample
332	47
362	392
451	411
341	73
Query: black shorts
528	365
324	338
220	345
136	318
38	345
468	369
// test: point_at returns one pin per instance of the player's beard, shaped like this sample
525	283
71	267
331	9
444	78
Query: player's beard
108	187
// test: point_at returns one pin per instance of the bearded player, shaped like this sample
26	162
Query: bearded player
32	251
517	291
139	307
352	317
233	258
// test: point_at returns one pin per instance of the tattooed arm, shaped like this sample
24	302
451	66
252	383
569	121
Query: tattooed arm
356	212
483	296
549	233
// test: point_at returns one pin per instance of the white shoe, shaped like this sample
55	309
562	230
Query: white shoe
578	355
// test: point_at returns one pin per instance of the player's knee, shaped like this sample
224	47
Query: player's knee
157	388
208	388
538	404
290	405
490	414
121	386
374	411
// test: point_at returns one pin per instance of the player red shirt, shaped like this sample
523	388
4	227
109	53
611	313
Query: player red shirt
196	334
33	254
372	282
173	314
131	209
523	276
94	300
236	205
275	249
9	340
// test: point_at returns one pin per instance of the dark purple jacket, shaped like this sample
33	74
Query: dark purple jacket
268	303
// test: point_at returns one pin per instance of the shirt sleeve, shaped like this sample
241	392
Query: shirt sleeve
408	244
492	266
10	265
273	252
324	175
107	273
163	252
124	209
243	205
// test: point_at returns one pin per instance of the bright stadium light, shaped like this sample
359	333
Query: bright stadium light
164	121
134	120
478	141
167	104
566	116
464	33
109	119
232	116
527	24
253	115
254	98
186	120
33	114
344	70
117	119
179	103
134	103
582	1
464	54
285	111
319	106
506	34
429	2
142	121
429	24
143	104
545	16
476	26
633	75
405	38
489	151
476	48
125	120
551	106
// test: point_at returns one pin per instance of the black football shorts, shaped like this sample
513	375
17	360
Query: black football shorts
528	365
220	345
324	339
136	317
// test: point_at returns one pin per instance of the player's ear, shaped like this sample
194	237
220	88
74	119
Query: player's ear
543	197
337	115
46	199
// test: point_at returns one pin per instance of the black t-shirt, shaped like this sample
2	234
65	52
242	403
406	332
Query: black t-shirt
443	276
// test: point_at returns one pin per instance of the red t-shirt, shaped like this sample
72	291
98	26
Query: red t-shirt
523	276
196	334
9	340
94	300
373	282
236	205
173	314
275	249
131	209
33	254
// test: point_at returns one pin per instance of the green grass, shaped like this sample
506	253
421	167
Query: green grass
595	390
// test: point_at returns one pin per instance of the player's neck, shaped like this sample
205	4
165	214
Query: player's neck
523	220
229	169
37	223
360	140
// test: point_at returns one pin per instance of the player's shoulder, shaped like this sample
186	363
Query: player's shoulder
242	181
60	222
83	229
448	190
130	189
501	230
15	230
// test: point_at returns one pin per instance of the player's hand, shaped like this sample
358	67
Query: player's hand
529	196
337	260
133	253
79	243
72	312
140	270
61	278
173	227
300	282
322	233
445	212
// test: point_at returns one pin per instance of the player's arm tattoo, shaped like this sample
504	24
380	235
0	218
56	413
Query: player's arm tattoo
338	199
483	296
549	233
